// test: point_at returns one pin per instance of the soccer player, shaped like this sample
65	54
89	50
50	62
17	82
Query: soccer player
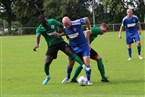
78	42
132	34
91	35
48	29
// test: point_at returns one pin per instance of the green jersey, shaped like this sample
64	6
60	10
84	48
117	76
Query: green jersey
144	17
95	32
48	33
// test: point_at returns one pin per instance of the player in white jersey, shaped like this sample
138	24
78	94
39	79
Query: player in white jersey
132	33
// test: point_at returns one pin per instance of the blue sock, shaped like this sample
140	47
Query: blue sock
129	52
88	74
69	70
139	49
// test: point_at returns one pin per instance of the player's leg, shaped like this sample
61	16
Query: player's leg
138	42
68	71
48	61
129	52
50	55
129	41
95	56
76	73
139	49
68	51
86	58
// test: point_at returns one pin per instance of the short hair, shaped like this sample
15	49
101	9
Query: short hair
105	25
41	18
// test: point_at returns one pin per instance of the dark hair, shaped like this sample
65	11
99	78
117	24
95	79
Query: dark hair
43	21
105	25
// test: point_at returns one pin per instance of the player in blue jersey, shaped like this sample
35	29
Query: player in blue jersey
132	34
78	42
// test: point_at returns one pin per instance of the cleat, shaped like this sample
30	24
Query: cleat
65	80
89	82
86	68
46	80
140	57
129	59
104	79
74	81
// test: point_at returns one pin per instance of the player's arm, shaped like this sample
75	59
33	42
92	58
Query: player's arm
88	23
87	35
120	31
37	41
139	26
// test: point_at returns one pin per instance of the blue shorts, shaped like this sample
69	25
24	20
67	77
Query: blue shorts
82	54
131	38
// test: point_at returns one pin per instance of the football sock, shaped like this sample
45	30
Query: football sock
139	49
77	72
46	69
101	67
129	52
69	70
88	74
77	59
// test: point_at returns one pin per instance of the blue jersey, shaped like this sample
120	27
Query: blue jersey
77	39
130	24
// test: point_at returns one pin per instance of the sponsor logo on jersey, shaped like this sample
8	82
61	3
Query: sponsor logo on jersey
51	34
52	26
73	35
131	25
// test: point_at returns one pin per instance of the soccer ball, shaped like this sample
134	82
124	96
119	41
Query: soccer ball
82	80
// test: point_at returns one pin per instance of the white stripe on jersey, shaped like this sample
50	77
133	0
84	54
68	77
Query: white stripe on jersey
79	21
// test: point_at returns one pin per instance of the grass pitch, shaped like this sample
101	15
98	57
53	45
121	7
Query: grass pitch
22	73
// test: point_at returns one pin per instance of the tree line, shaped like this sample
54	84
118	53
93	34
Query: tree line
109	11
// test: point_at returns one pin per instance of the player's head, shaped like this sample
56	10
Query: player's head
43	21
104	28
66	22
129	12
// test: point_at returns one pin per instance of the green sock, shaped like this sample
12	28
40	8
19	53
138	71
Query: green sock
77	59
101	67
46	69
77	72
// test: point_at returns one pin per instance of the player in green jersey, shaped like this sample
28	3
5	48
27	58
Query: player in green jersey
92	34
48	29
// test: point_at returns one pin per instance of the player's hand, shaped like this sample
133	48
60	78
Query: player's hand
120	36
139	32
58	35
34	49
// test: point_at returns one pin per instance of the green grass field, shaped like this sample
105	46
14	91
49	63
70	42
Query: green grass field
22	73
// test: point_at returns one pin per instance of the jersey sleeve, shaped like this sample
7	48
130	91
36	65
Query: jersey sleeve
81	21
38	31
123	22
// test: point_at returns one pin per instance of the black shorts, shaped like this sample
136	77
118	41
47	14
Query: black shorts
93	54
52	50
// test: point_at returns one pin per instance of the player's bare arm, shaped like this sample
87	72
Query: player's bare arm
88	23
139	26
37	42
120	32
87	35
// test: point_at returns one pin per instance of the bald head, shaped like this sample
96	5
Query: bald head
66	22
129	12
